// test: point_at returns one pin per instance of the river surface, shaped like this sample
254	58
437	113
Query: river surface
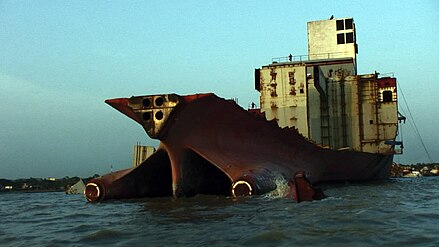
397	212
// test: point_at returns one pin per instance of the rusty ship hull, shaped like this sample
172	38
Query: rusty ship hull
319	121
209	145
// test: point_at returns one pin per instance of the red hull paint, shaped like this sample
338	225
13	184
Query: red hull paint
212	146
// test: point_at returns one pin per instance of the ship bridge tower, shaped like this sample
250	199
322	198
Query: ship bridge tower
324	98
333	38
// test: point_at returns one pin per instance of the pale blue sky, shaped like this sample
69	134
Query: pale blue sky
59	60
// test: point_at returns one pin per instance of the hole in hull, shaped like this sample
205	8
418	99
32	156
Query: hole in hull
147	116
153	178
159	115
146	102
202	177
157	175
159	101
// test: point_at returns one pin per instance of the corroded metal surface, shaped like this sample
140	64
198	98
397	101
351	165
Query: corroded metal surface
209	145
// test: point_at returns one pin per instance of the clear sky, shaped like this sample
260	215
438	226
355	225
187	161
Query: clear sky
59	61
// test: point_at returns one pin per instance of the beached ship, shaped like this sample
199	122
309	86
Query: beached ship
318	121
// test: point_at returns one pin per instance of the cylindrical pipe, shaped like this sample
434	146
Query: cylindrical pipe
93	193
256	182
112	185
241	188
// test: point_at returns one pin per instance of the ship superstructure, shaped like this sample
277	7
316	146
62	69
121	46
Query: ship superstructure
322	95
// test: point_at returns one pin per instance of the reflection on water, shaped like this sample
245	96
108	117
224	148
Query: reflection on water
399	212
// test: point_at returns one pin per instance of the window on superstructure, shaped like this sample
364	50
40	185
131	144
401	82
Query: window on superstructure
340	25
340	38
387	96
349	24
349	37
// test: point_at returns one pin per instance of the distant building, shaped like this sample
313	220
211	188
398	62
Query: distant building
51	179
141	153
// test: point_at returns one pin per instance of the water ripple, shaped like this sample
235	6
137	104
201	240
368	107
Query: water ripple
399	212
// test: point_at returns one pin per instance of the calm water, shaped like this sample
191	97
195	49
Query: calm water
399	212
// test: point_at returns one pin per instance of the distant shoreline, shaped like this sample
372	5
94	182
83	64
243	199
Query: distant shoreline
39	185
29	191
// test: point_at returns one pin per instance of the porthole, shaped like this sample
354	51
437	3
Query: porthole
147	116
146	102
159	115
159	101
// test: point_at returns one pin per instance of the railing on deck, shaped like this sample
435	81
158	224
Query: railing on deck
301	58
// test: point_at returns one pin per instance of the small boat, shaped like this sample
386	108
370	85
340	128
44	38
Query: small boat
77	188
